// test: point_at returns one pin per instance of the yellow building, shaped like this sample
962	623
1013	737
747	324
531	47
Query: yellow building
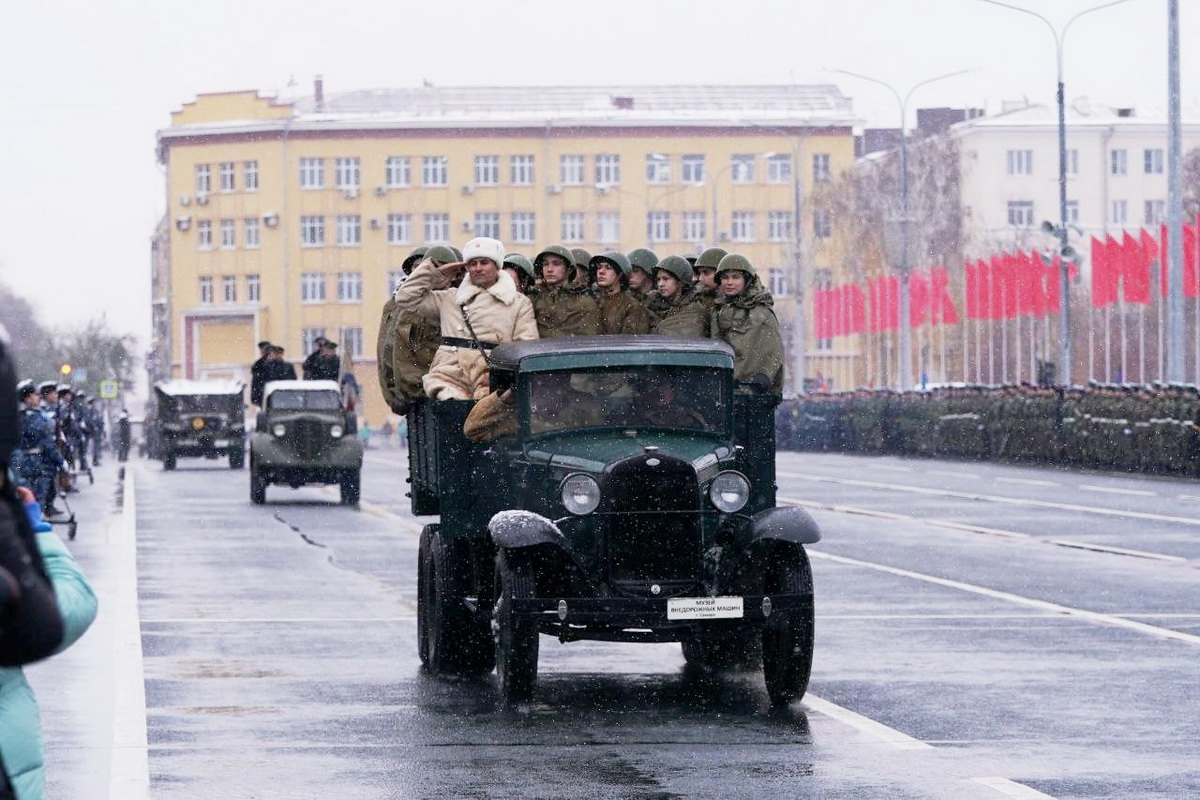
290	220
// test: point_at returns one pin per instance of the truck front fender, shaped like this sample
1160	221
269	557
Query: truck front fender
785	523
513	530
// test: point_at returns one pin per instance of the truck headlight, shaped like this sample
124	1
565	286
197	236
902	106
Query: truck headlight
729	491
279	430
336	431
580	494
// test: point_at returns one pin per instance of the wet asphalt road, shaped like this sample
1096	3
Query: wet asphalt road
982	631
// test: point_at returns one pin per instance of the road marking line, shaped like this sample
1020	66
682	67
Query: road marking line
1027	481
937	523
994	498
867	725
1111	490
129	764
950	474
891	467
1124	551
383	513
1012	788
1189	497
996	594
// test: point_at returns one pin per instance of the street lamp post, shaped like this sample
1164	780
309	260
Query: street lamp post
1064	367
905	222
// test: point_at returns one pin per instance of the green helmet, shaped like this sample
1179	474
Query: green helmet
643	259
711	257
677	266
614	257
456	251
520	263
412	259
581	257
554	250
738	262
443	254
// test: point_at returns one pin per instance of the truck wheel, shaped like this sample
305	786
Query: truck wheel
351	484
516	636
787	639
168	461
258	487
452	640
237	459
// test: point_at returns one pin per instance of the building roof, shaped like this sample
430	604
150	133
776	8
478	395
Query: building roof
785	105
1079	113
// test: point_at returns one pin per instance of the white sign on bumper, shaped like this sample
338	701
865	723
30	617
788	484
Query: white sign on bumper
704	608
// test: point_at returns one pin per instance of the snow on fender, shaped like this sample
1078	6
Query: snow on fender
516	529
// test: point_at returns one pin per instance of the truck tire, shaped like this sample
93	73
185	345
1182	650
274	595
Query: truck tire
516	637
787	639
168	460
258	487
351	485
452	640
237	458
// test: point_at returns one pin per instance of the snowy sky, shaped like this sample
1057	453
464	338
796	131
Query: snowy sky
84	85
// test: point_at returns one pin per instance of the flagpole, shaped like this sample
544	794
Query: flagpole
1142	344
1108	348
1092	344
1123	319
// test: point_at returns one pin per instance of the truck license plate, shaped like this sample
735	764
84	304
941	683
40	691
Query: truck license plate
704	608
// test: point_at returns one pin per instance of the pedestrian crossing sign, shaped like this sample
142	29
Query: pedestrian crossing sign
108	390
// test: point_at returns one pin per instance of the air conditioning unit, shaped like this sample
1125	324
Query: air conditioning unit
554	188
183	222
468	226
350	193
724	237
381	191
185	200
270	219
375	224
201	199
602	189
468	190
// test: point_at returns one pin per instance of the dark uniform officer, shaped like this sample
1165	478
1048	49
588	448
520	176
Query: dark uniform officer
37	457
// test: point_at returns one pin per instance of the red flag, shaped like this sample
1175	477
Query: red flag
941	303
1009	287
1039	278
918	299
1135	271
891	302
1191	260
971	284
873	305
1053	282
819	326
1026	283
1114	261
858	310
1104	292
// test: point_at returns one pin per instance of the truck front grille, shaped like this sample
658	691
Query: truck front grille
655	534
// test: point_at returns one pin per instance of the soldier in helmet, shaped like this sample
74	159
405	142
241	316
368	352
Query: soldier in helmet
706	275
743	317
619	311
37	459
641	279
582	276
673	305
387	333
416	335
520	269
562	310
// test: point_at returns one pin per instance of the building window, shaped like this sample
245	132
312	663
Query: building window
1020	213
206	290
573	228
204	234
352	342
695	228
741	228
349	287
228	234
570	170
227	176
779	226
608	169
821	168
397	171
1073	211
433	171
523	229
741	168
1152	160
1118	213
520	170
312	231
312	287
229	289
1118	162
399	228
1156	212
203	179
779	169
312	173
308	338
395	278
253	289
1020	162
250	176
487	170
822	223
347	173
1072	162
658	168
487	223
437	228
779	282
658	226
251	229
691	168
608	227
349	230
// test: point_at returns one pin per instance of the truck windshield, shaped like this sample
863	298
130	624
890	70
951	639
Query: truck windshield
683	398
205	404
295	401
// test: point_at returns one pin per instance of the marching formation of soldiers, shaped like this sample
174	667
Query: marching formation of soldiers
59	428
1147	428
455	306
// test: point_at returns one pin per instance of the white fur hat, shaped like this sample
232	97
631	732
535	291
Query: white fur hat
483	247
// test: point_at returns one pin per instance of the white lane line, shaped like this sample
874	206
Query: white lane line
1111	490
1122	551
951	474
994	498
129	764
1012	789
1026	482
1189	497
891	467
866	512
876	730
1054	608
